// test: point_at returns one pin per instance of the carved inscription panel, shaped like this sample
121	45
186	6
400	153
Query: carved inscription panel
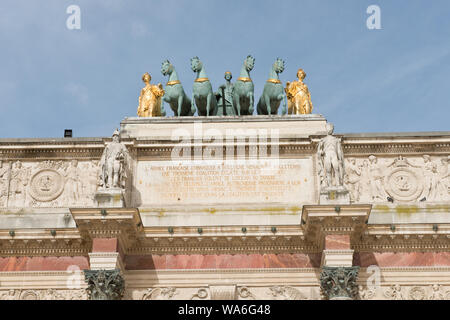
225	181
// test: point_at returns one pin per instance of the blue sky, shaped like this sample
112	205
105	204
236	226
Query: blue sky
389	80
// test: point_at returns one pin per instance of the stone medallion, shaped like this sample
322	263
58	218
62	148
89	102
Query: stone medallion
46	185
403	184
417	293
29	295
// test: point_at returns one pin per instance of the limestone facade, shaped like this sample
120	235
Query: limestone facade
226	208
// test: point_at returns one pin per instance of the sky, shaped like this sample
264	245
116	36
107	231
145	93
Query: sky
395	79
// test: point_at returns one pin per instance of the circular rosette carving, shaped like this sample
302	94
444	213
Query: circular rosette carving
403	185
417	293
46	185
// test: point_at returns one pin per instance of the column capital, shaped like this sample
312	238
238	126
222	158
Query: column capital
339	283
104	284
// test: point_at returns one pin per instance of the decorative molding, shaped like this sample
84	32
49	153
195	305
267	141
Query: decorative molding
223	292
287	293
47	294
201	294
167	293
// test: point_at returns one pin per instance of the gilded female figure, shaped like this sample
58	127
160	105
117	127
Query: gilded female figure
150	100
298	96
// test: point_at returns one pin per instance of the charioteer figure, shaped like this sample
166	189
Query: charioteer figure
224	97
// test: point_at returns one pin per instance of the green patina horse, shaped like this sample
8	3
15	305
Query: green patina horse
273	91
243	92
202	92
174	93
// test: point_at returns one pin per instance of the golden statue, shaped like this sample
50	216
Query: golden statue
298	96
150	100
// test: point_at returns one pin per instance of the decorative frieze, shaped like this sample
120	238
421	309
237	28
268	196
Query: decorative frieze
400	179
166	293
48	184
43	294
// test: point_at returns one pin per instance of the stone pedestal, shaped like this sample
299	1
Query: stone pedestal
162	127
110	198
334	195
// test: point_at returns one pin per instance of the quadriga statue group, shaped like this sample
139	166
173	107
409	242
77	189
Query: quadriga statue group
231	99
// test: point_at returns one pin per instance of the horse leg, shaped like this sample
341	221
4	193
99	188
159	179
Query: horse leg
267	100
280	98
208	104
238	104
163	110
188	104
193	103
180	104
250	103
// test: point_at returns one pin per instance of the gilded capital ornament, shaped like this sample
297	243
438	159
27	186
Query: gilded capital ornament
298	96
339	283
104	284
150	100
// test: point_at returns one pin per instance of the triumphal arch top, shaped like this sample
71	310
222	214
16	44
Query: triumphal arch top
218	203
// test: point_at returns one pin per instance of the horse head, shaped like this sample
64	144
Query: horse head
166	68
278	65
196	64
249	63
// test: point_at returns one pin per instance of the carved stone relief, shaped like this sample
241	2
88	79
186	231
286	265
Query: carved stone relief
398	292
376	179
48	183
286	293
244	293
48	294
160	293
201	294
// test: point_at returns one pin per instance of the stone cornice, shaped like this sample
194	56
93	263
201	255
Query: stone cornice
320	220
122	223
353	145
41	242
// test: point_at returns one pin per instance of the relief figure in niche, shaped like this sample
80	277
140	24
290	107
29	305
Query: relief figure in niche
352	179
4	182
443	186
73	183
430	176
18	183
376	179
90	179
364	181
